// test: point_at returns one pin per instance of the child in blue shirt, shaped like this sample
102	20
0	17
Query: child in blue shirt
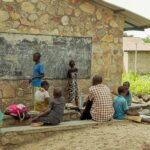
120	104
128	95
121	108
38	71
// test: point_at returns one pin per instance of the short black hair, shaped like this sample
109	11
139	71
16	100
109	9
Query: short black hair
97	80
126	83
121	89
44	83
71	63
57	92
38	54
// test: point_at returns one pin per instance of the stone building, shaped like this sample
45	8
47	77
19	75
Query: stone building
102	21
136	55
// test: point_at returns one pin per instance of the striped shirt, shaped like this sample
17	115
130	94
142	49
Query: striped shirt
102	108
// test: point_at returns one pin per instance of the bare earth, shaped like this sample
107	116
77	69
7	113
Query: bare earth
123	135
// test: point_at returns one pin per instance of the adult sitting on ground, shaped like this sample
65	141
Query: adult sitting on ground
100	95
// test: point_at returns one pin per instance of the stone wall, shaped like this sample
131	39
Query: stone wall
65	18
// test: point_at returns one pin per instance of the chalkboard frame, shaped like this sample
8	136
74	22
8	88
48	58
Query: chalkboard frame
48	35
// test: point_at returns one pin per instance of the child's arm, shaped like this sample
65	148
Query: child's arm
114	93
144	99
132	113
38	77
41	115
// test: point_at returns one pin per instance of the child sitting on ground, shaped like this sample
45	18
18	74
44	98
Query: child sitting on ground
55	113
121	108
42	97
128	95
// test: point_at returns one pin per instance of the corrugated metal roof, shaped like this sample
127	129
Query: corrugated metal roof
135	44
132	21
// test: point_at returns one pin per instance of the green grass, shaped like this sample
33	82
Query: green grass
140	84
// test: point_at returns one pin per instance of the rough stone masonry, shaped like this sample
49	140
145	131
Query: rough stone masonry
81	18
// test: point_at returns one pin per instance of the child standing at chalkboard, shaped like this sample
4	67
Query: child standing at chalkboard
38	73
72	83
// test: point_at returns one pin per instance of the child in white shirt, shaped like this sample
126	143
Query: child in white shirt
42	97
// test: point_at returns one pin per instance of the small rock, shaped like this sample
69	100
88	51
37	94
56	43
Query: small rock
34	31
108	38
14	16
26	22
116	40
23	29
69	11
74	2
113	24
65	20
98	15
33	17
51	10
3	15
27	7
87	7
55	32
20	93
61	11
77	12
41	6
24	14
9	8
44	19
7	90
16	24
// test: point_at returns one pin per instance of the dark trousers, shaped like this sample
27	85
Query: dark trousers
86	113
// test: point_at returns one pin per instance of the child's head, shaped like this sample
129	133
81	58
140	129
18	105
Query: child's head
71	63
36	57
57	93
126	85
97	80
122	91
45	85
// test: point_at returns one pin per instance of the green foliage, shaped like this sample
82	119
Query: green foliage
140	84
147	40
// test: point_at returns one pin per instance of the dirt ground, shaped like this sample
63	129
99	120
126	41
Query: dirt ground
121	136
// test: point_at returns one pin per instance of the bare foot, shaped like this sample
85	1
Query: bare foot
38	124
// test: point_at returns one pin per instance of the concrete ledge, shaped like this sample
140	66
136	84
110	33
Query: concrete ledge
16	136
11	138
63	126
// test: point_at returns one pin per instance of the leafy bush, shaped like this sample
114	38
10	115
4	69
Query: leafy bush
147	40
140	84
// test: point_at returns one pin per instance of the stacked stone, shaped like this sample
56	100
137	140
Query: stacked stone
67	18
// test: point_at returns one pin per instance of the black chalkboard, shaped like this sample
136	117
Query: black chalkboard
16	52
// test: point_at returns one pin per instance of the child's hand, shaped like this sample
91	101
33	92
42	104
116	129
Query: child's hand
34	118
30	81
139	96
